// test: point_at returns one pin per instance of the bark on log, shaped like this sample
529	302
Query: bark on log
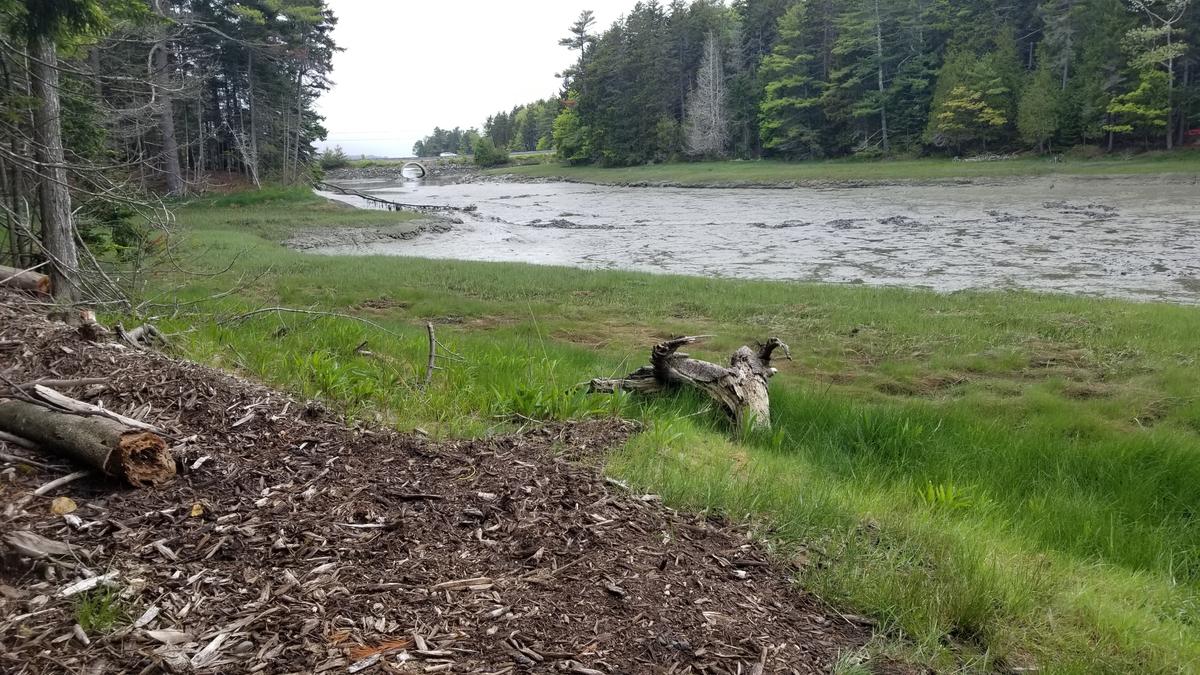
139	457
11	277
740	389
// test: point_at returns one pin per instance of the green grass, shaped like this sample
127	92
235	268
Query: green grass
845	170
1001	479
100	610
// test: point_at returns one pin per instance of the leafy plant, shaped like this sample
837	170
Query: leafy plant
945	496
487	154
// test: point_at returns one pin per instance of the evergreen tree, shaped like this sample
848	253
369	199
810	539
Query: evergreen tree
1037	116
1156	43
858	82
791	117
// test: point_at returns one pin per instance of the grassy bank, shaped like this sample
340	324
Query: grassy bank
774	172
1002	480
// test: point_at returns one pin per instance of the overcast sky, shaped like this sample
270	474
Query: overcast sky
412	64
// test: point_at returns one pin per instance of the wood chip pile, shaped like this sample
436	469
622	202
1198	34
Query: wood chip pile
289	542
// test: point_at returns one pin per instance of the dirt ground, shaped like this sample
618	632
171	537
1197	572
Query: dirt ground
290	542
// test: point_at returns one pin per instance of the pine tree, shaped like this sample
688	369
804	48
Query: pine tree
1157	44
858	82
970	102
791	116
1100	72
1037	116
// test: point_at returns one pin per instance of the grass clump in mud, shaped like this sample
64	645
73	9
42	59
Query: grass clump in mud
1001	480
856	170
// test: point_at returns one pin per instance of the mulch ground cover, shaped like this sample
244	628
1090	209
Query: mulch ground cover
290	542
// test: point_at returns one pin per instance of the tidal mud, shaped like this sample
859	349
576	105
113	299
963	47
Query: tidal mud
1127	237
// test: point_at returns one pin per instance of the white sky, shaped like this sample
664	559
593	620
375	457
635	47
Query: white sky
409	65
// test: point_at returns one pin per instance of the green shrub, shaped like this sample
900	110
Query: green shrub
334	158
488	155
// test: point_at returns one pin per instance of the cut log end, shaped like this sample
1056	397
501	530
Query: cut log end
143	460
127	452
25	280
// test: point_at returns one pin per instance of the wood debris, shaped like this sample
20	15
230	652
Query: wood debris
502	555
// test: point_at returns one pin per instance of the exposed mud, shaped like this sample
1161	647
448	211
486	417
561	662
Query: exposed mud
366	236
1128	237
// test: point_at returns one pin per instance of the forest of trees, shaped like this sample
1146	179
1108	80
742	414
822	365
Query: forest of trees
828	78
454	140
109	105
524	128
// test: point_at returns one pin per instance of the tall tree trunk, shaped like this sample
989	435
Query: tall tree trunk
1170	94
299	121
166	113
1183	114
166	123
58	235
94	64
253	143
879	70
201	140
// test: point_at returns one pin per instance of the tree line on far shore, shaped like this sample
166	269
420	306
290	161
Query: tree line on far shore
803	79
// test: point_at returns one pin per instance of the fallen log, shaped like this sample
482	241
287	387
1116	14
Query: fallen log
740	389
26	280
137	456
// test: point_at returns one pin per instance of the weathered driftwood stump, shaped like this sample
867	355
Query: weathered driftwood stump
740	388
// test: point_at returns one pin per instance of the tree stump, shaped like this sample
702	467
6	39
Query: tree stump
740	389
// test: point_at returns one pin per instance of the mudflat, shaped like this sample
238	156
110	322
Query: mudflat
1130	237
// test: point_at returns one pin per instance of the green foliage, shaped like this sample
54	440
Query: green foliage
1037	116
571	137
944	496
456	140
488	155
974	99
823	78
100	610
791	116
964	116
1142	110
333	158
60	18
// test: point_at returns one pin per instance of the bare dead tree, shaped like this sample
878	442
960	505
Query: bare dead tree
706	119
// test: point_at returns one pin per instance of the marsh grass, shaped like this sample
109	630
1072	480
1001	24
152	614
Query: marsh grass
1002	480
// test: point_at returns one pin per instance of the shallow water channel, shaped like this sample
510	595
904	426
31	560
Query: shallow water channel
1130	237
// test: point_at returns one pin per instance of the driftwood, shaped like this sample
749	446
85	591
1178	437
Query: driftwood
389	205
142	337
26	280
740	388
134	455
